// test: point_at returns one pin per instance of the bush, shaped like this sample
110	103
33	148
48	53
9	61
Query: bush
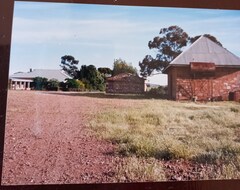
40	83
72	85
53	84
159	92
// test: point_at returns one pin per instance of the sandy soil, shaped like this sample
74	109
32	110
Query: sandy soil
47	140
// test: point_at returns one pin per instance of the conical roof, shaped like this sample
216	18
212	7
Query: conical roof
205	50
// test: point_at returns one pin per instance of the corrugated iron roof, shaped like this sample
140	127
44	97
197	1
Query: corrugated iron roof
205	50
60	75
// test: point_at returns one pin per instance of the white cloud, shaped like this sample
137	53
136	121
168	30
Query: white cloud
52	30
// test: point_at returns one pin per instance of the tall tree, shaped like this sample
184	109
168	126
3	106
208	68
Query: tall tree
121	66
68	64
91	77
168	44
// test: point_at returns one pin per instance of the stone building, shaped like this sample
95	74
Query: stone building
23	80
205	71
125	83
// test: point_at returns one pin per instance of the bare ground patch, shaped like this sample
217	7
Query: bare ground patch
47	140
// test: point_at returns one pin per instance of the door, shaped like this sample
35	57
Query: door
202	89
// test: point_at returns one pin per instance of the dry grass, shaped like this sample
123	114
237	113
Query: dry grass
133	169
203	133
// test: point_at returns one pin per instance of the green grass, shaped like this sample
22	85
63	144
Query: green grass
202	133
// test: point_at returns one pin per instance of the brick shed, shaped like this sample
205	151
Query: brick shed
205	71
125	83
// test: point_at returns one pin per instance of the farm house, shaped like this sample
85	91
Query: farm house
23	80
125	83
205	71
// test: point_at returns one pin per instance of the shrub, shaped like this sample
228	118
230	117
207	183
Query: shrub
40	83
52	84
234	110
159	92
73	85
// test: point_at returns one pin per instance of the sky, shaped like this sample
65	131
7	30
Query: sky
99	34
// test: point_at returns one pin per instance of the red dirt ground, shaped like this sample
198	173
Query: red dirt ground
47	141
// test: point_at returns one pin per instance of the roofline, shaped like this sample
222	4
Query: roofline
64	73
187	48
115	78
176	65
21	80
193	44
20	77
184	65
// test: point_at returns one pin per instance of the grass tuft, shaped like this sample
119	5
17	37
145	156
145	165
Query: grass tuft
133	169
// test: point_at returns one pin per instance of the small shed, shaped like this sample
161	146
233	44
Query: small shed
125	83
204	71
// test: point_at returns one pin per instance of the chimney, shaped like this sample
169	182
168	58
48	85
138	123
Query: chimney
30	69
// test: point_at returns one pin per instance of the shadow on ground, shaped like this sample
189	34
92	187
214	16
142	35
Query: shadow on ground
105	95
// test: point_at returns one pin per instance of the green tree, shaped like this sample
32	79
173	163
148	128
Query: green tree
121	66
105	71
91	77
40	83
168	44
68	64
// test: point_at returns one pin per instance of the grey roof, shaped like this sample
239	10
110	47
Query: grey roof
205	50
60	75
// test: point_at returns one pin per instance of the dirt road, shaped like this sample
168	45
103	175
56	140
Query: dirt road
47	140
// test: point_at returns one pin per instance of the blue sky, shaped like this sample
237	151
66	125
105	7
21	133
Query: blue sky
98	34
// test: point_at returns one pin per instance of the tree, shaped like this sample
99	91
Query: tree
91	77
68	64
121	66
105	71
169	45
214	39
